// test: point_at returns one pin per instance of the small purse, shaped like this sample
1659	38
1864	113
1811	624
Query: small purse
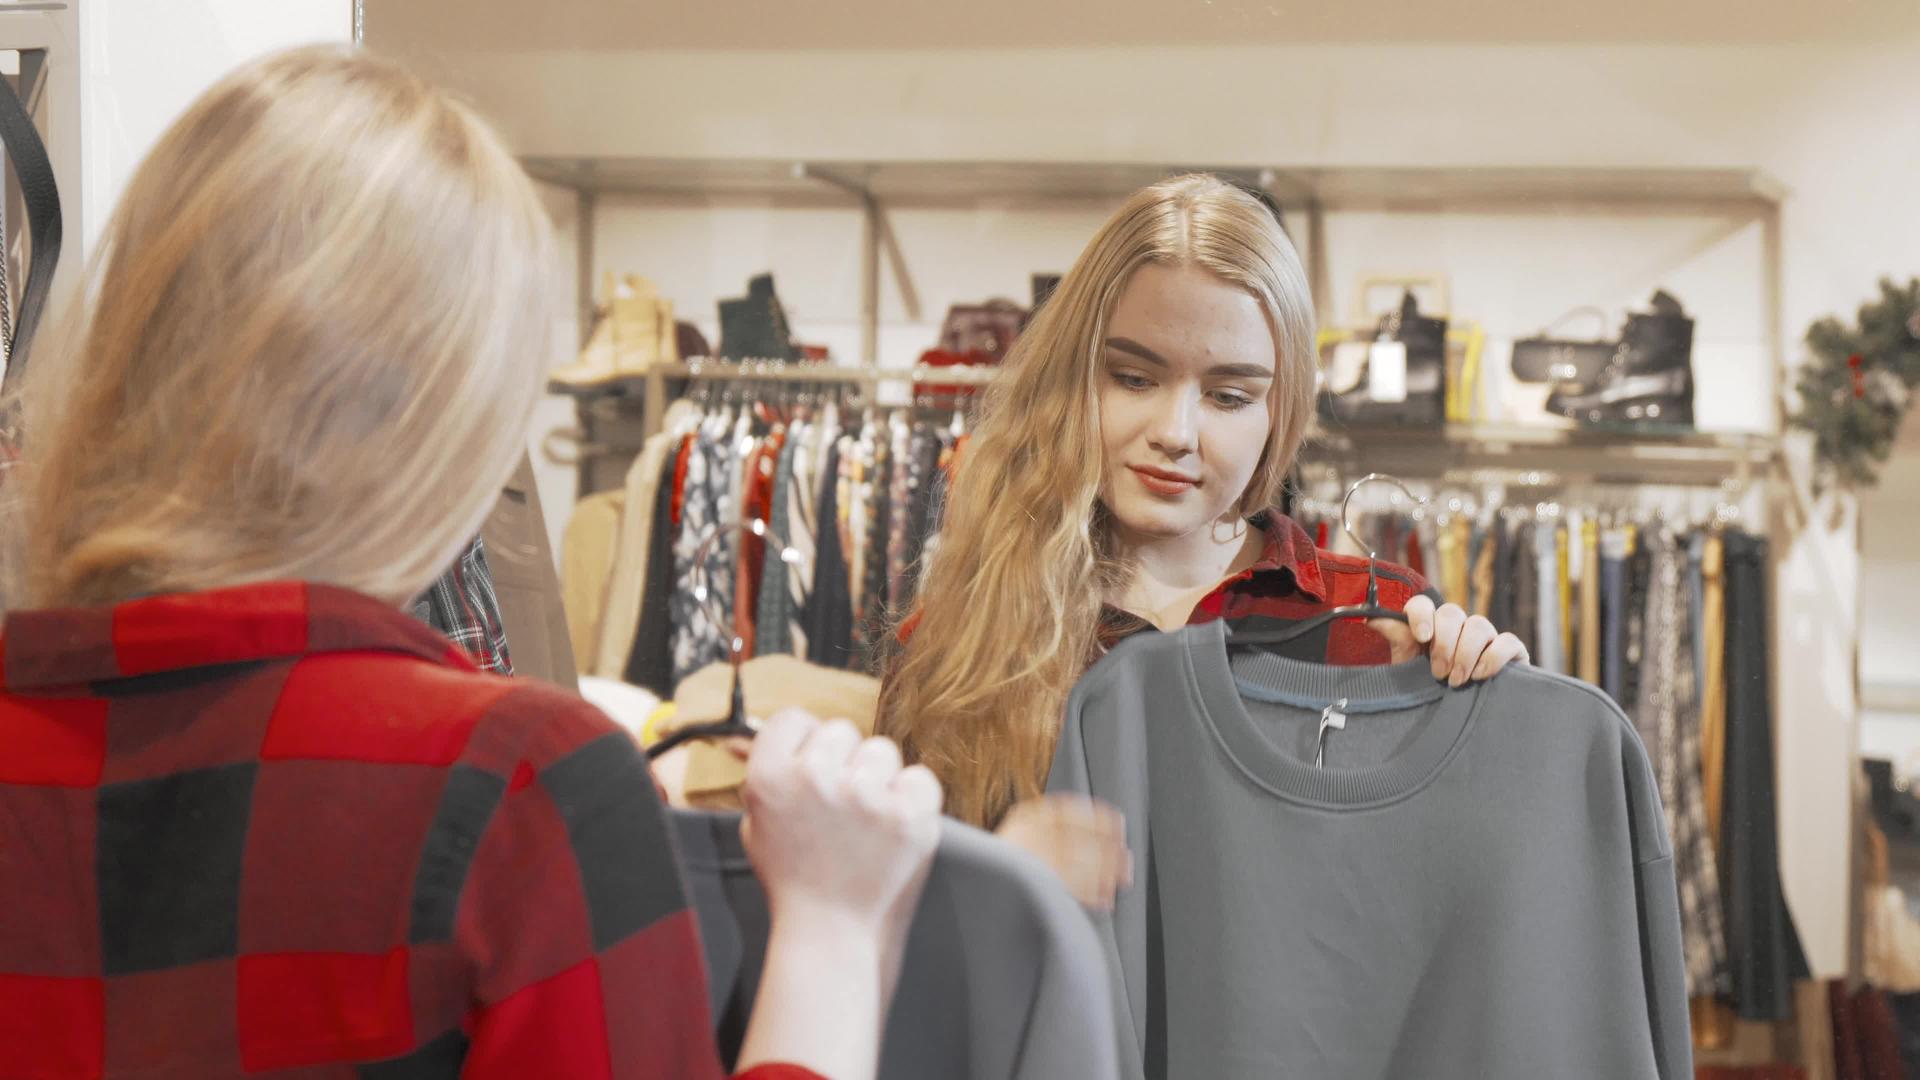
1545	358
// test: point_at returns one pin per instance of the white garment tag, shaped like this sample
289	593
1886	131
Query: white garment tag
1331	719
1387	371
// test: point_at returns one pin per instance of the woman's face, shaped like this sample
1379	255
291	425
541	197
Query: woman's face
1185	374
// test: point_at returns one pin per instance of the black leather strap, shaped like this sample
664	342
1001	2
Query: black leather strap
42	198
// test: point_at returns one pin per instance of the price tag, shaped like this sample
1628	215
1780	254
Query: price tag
1387	371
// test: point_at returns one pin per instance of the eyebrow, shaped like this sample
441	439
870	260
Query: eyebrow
1232	371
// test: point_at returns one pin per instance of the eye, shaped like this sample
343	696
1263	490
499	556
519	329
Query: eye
1231	400
1130	380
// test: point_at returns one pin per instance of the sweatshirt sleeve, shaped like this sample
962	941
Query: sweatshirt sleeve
1114	771
1657	899
1663	967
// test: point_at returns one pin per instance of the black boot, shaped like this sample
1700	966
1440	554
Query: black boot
1347	398
754	326
1648	381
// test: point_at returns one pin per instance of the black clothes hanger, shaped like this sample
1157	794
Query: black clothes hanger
42	199
1369	610
735	725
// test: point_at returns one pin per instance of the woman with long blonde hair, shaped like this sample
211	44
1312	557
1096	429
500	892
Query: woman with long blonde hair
253	816
1123	476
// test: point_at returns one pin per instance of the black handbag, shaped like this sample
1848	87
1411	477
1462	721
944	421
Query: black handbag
1352	393
1546	358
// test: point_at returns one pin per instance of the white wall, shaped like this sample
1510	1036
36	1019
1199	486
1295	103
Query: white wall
143	62
1838	123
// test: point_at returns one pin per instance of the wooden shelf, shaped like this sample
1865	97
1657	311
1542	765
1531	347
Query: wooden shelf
1330	188
1543	455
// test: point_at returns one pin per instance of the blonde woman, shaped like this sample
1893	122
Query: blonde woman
1122	478
254	818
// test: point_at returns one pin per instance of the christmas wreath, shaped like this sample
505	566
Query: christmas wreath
1855	389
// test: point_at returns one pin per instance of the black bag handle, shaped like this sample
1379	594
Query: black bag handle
1599	316
42	198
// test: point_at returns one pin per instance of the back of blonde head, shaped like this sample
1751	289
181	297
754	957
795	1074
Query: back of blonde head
308	348
1011	601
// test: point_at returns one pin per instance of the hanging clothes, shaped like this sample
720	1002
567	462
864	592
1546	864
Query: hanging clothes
1713	686
589	548
1563	566
830	613
871	629
1548	652
899	512
1766	954
1668	719
1635	612
1589	669
649	662
1525	578
804	523
626	591
462	605
1486	557
923	469
707	500
1613	621
773	626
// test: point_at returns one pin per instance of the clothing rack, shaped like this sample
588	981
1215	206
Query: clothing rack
615	418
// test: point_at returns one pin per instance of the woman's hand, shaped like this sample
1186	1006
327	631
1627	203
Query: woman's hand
837	829
1084	840
1462	647
842	837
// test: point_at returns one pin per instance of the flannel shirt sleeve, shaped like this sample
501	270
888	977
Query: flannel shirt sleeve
463	605
584	954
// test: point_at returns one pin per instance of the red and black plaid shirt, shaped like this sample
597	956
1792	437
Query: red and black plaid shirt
1293	580
287	830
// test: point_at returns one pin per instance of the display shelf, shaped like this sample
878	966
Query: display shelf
1330	188
1548	454
899	181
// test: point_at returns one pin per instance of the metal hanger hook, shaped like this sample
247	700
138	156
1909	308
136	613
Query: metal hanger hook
1346	504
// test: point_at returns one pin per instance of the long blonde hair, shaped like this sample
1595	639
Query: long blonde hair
1011	600
309	348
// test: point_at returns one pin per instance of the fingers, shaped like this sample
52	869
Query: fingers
874	764
1083	840
778	741
1447	625
1475	636
1400	641
918	791
1506	649
1419	612
825	754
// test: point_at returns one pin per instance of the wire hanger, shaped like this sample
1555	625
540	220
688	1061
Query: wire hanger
736	724
1369	610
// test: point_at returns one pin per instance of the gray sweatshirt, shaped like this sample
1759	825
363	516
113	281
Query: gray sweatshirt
1001	978
1473	883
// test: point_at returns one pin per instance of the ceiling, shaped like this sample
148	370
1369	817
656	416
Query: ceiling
516	25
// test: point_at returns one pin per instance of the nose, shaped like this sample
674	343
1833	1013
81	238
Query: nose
1176	425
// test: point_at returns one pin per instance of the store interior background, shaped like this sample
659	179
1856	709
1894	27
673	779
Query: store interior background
1824	100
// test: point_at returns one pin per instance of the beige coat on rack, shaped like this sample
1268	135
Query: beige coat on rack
521	560
587	553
